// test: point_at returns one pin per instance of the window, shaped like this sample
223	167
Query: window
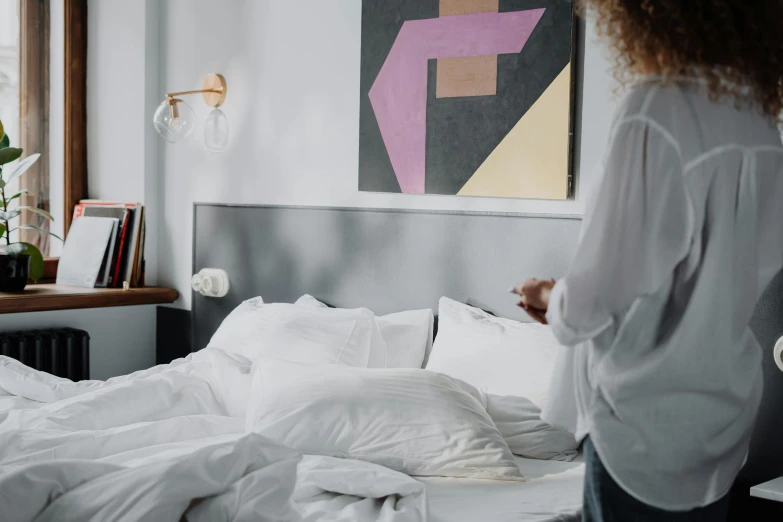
43	55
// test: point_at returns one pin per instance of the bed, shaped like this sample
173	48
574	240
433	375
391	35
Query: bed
228	434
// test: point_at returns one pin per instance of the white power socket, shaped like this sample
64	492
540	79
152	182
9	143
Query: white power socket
210	282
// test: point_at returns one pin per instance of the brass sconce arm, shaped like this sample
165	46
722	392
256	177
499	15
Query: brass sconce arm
214	91
198	91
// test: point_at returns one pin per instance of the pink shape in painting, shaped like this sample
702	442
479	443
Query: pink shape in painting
399	94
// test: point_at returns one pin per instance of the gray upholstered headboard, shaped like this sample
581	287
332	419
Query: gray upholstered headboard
385	260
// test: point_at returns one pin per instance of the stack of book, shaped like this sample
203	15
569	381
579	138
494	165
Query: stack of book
124	257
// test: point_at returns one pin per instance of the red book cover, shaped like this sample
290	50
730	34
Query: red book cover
78	211
116	283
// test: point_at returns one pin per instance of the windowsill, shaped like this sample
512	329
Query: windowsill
40	298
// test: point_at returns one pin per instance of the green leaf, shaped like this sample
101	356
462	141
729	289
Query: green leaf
36	261
39	229
9	154
8	216
14	249
2	229
36	210
5	142
21	167
15	196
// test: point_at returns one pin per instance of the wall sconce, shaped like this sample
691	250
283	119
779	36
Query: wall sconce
211	282
175	120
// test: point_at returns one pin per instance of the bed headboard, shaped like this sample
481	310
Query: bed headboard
385	260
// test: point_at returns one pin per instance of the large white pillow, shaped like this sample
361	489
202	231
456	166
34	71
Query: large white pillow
498	356
296	333
410	420
407	335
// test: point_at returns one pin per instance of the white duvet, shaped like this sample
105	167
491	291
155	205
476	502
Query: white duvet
160	445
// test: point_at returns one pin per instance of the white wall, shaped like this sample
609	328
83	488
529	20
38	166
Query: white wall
293	106
122	91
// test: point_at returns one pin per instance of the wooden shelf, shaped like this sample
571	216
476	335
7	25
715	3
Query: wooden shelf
40	298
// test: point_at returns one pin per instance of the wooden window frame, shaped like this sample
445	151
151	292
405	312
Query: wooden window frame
34	98
34	66
75	172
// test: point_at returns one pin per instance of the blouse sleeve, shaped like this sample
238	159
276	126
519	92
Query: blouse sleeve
636	232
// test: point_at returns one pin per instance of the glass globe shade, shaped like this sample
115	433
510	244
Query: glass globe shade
216	131
174	122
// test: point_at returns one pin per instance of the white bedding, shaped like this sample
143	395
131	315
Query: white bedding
553	493
145	446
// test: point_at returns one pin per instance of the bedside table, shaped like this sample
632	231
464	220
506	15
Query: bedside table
772	490
766	502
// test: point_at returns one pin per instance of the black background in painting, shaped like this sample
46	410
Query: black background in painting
461	132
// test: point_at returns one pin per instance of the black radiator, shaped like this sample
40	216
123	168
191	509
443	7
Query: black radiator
63	352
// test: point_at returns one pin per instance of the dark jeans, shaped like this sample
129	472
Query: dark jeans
605	501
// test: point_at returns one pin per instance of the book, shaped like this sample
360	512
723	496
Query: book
84	251
78	209
107	275
103	273
137	279
133	246
123	247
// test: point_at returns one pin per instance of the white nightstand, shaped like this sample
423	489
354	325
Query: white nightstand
772	490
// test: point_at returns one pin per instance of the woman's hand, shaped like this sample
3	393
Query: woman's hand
535	298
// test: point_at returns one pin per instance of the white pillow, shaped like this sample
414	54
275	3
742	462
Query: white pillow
296	333
312	302
410	420
519	421
407	335
498	356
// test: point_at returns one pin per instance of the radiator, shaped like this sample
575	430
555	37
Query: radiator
63	352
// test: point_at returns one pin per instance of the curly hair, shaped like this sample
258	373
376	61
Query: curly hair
735	45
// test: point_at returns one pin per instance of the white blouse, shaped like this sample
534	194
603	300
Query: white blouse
683	233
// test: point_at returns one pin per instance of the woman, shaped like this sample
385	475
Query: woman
683	231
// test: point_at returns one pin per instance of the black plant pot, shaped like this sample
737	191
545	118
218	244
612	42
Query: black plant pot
14	272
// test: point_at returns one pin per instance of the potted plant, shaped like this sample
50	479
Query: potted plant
18	260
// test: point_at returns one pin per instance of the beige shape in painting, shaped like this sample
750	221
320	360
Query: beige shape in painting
532	160
472	76
461	7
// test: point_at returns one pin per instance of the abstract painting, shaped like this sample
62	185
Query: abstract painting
467	97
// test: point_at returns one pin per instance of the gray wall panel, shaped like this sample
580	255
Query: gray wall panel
384	260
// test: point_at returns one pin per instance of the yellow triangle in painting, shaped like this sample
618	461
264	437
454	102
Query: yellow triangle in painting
532	160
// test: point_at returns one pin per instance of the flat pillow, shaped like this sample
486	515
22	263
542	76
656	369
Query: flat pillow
296	333
519	421
410	420
407	335
496	355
